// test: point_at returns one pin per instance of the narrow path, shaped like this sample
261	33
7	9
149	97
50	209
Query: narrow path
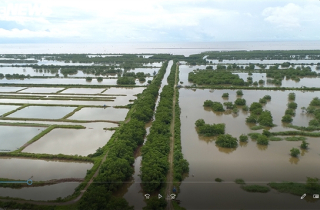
169	185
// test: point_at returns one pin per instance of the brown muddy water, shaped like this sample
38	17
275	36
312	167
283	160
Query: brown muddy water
71	141
41	170
251	162
42	193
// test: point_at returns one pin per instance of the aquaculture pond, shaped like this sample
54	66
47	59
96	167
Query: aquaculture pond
42	193
40	90
6	108
71	141
13	137
10	89
145	70
43	112
108	113
42	170
83	90
255	164
124	91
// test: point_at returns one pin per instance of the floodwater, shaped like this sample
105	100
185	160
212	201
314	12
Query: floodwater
13	137
263	61
108	113
68	81
133	191
71	141
145	70
251	162
44	112
40	90
308	82
42	193
10	89
126	91
7	108
83	90
42	170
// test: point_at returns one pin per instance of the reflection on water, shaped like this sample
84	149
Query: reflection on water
6	108
44	112
13	137
294	160
70	141
42	193
262	147
42	170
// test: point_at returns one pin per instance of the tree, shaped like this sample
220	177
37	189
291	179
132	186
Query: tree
262	101
266	133
266	119
304	144
292	105
239	93
290	112
255	105
294	152
313	184
245	108
208	103
225	95
292	96
227	141
229	105
200	122
314	123
287	119
217	106
240	102
267	97
251	119
262	140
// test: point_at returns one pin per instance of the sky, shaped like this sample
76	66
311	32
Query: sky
108	21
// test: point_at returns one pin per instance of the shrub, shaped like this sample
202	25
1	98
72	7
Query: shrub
257	111
315	102
226	140
239	92
88	79
290	112
314	123
262	101
261	81
208	103
99	79
295	138
273	138
239	181
266	133
235	110
245	108
255	188
267	97
200	122
304	144
292	105
254	136
262	140
240	102
255	105
218	180
292	96
243	138
229	105
251	119
266	119
225	95
217	106
287	119
294	152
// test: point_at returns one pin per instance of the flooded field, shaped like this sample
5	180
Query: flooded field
45	112
10	89
6	108
41	170
125	91
308	82
251	162
68	81
83	90
70	141
109	113
42	193
12	138
145	70
40	90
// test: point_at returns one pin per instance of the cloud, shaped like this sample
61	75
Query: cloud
292	15
25	33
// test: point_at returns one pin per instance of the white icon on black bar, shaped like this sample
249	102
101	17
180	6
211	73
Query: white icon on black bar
303	196
159	196
316	196
173	196
147	196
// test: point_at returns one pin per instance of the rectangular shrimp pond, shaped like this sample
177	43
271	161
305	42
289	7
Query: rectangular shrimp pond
13	137
110	113
71	141
254	163
43	112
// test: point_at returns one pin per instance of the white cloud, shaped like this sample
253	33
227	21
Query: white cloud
292	15
25	33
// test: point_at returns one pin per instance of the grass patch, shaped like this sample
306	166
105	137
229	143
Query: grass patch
293	133
295	138
254	136
239	181
24	124
274	138
218	180
257	127
72	113
255	188
302	128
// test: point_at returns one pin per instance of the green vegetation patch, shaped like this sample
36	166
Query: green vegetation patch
239	181
295	138
227	141
255	188
209	130
218	180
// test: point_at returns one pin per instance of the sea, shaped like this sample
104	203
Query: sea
153	48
